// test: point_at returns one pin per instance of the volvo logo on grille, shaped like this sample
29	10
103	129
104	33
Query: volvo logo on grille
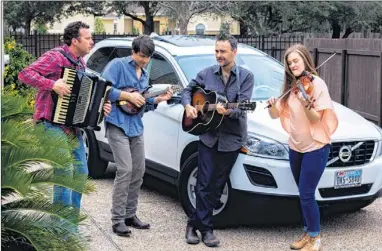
345	153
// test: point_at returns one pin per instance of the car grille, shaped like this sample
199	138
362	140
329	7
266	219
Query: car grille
331	192
359	156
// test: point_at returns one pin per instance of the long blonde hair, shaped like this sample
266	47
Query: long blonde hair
289	79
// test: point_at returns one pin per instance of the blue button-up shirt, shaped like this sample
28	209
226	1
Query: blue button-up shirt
232	133
121	72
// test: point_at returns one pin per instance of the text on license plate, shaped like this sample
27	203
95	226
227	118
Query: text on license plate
349	178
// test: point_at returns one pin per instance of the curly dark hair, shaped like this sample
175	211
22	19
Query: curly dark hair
72	30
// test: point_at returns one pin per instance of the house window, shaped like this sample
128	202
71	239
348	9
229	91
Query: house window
156	27
200	28
115	23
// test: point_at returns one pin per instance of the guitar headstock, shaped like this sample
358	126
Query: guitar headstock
247	105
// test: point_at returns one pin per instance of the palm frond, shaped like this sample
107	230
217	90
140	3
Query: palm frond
30	156
48	146
80	182
22	182
15	134
22	157
14	106
44	231
15	179
40	204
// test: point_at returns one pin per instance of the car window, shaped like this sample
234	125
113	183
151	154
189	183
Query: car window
120	52
268	74
99	59
161	71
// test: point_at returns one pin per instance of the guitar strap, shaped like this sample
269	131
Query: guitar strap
238	82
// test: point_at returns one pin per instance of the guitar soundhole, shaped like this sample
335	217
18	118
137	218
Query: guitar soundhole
204	109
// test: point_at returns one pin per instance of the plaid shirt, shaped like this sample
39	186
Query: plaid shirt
42	74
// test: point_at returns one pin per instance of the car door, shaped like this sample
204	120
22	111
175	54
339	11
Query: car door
162	125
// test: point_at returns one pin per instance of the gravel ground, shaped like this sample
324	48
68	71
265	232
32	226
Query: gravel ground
361	230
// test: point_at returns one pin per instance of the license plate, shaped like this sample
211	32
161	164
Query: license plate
351	178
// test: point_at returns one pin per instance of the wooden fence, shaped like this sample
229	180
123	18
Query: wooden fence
37	44
354	74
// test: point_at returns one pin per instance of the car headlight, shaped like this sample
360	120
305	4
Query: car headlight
379	143
265	147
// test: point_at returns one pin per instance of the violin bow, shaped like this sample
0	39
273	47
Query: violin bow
290	89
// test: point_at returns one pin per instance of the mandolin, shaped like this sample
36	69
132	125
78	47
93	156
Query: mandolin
131	109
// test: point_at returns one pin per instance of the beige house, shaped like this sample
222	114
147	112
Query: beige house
202	24
58	27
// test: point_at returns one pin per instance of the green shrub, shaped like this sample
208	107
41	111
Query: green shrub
19	59
41	28
99	26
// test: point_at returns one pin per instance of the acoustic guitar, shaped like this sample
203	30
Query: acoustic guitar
131	109
208	118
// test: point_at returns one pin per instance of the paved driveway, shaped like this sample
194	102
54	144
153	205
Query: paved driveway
361	230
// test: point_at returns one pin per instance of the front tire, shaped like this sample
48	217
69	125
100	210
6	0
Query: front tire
186	191
97	166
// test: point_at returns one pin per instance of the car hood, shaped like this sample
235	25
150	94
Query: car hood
351	125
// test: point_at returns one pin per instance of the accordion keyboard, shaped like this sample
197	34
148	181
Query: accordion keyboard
62	106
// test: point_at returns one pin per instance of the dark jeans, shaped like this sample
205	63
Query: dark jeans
307	169
214	168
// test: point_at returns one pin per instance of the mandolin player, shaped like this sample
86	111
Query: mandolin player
125	132
218	148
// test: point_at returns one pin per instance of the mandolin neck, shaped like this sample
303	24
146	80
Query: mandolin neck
153	94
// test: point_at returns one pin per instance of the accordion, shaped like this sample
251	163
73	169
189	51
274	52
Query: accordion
83	107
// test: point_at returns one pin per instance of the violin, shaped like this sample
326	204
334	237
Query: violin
305	86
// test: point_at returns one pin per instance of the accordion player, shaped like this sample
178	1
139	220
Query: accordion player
83	107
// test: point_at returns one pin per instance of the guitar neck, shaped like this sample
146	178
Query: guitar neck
212	107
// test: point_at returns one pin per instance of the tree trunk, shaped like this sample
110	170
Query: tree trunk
28	27
243	29
148	25
183	26
348	31
336	29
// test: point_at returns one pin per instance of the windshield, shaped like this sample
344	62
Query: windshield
268	73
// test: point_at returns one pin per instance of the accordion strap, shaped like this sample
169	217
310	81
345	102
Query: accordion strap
74	62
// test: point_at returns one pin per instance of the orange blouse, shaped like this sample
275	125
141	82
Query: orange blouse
305	136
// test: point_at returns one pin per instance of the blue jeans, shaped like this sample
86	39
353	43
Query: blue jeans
62	194
307	169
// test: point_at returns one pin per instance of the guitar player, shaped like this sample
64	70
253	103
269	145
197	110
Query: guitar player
125	132
218	148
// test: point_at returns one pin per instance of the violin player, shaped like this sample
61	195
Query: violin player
307	115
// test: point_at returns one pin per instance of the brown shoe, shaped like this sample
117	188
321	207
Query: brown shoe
314	244
300	243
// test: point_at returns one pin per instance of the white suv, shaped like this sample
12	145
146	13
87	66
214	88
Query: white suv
261	183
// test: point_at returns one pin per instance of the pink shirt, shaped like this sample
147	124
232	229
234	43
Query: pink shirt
306	136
